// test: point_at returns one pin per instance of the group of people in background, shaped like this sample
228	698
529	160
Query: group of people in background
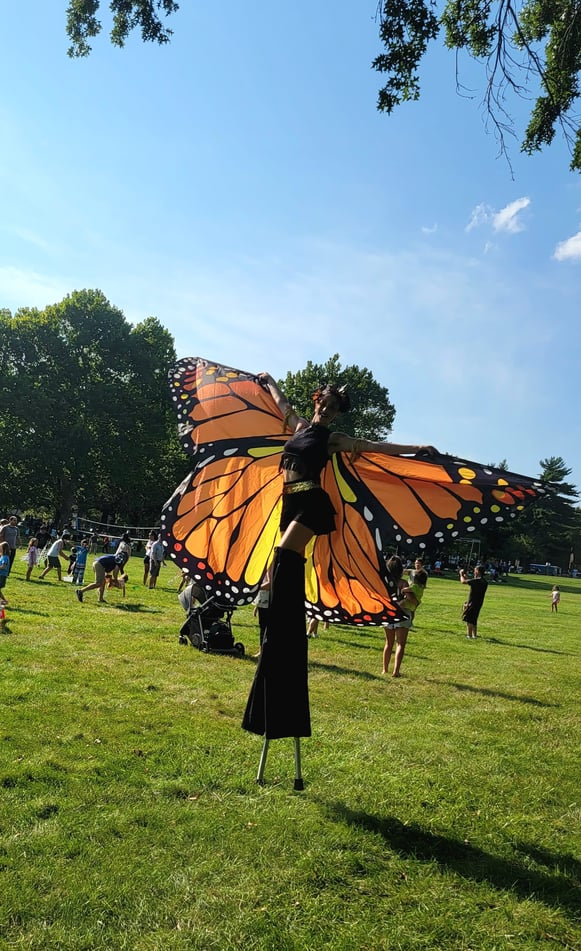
47	551
109	572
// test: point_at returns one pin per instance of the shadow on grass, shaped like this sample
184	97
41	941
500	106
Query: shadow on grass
353	644
557	884
526	647
486	692
22	610
136	609
349	671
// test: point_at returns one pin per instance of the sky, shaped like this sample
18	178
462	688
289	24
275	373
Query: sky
240	185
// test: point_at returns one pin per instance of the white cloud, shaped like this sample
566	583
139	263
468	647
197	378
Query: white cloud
481	215
570	249
507	219
427	230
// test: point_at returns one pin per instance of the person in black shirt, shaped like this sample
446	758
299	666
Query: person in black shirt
472	606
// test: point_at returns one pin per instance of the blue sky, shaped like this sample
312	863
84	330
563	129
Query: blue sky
240	185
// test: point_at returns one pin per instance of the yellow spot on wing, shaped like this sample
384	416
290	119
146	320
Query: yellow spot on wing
466	473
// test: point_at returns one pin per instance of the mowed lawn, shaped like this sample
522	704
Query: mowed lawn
441	810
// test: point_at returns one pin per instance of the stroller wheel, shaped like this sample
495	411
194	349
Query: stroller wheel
183	639
239	648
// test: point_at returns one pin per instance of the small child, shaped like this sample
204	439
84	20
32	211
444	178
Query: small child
72	558
32	556
148	546
555	598
4	570
119	582
80	564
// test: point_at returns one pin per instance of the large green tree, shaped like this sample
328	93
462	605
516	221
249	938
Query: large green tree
85	413
372	413
531	49
547	530
552	524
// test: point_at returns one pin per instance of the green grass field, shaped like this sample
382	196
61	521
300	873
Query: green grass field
441	810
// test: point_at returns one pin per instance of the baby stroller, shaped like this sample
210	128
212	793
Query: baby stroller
207	625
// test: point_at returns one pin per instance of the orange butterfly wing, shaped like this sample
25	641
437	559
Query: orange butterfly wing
221	524
389	503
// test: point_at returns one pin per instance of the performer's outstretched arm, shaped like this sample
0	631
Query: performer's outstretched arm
341	442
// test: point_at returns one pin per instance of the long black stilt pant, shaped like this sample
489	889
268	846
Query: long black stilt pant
278	704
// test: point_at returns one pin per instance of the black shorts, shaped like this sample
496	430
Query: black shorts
311	508
470	613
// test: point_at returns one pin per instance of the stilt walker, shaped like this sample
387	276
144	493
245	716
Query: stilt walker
220	525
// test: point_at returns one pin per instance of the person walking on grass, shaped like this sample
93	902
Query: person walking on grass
555	598
32	557
472	606
53	557
410	597
106	570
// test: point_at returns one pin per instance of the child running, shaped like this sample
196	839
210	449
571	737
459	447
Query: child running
555	598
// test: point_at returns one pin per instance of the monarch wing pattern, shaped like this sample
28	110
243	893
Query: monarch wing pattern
221	524
392	502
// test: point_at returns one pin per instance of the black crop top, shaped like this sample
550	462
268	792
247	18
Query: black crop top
307	452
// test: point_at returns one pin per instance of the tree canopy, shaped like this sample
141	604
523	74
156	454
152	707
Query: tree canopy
532	50
83	23
507	40
371	415
85	412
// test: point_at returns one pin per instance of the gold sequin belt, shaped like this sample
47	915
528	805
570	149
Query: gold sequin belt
302	486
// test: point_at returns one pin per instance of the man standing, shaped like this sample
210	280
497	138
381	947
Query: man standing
10	534
472	606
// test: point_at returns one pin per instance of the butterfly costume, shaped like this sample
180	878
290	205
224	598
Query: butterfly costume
221	525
